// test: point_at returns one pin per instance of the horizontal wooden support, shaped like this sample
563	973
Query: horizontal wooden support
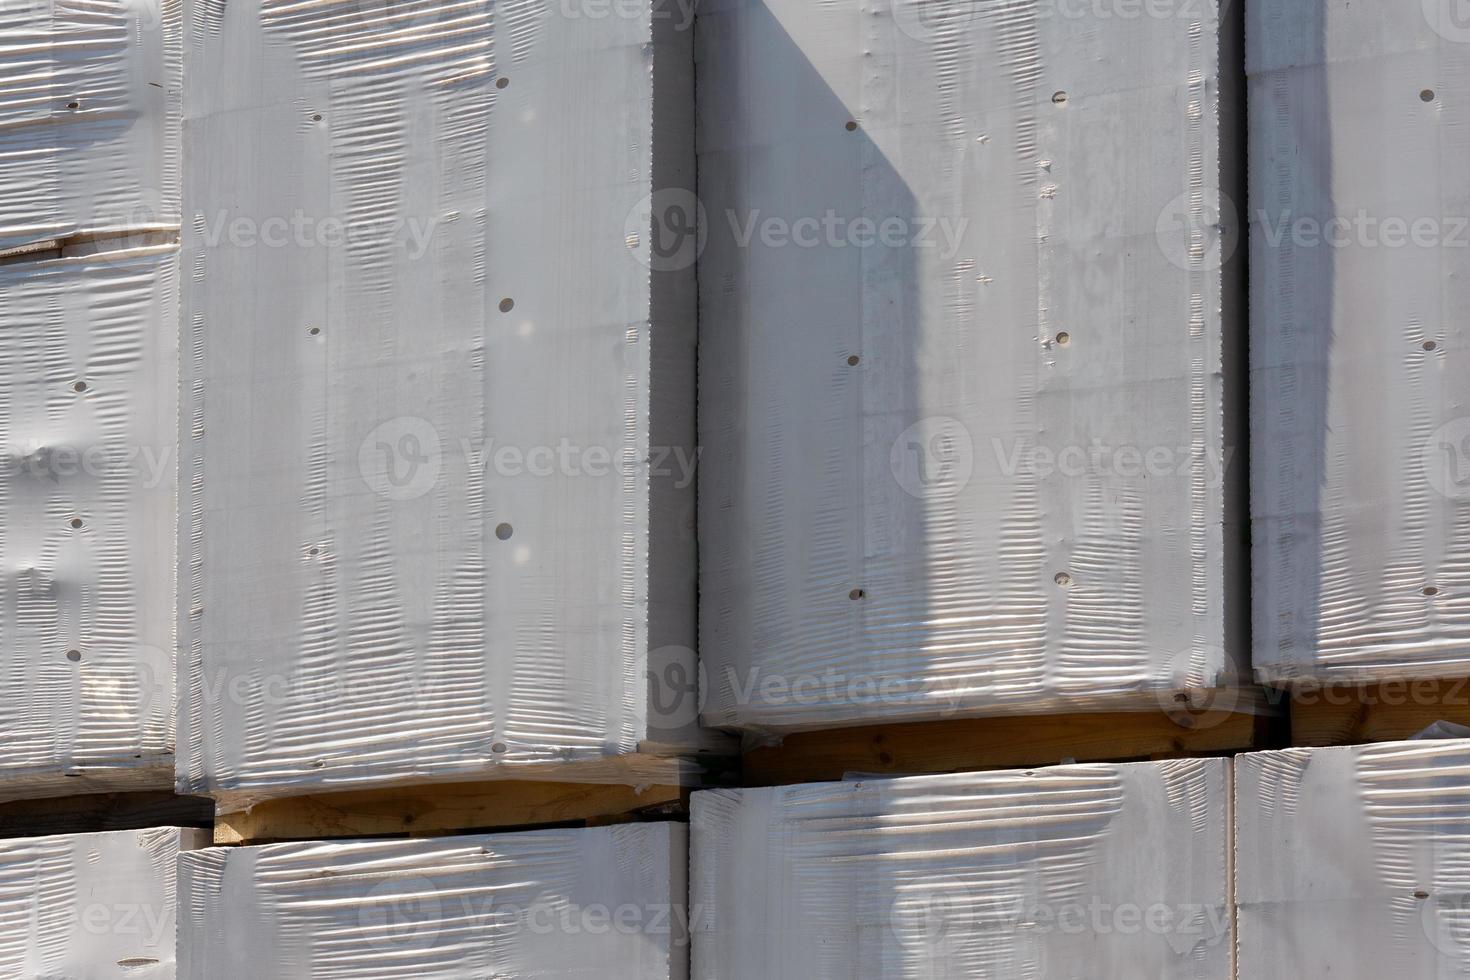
1376	712
440	808
97	812
1002	743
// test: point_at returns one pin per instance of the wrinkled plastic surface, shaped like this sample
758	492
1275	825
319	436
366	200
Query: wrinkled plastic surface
89	118
1360	275
427	367
1354	861
98	906
88	432
1067	872
964	335
601	902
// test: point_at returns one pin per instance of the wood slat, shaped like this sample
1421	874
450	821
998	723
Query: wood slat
97	812
440	808
1002	743
1383	712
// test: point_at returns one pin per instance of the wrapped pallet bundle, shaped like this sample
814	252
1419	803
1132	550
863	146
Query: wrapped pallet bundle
88	422
600	902
89	138
1354	861
1074	871
92	905
438	395
971	360
1360	273
89	119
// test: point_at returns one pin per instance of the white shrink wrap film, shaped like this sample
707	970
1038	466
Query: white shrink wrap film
88	491
438	432
1069	873
93	906
604	902
89	118
1354	862
1360	276
971	360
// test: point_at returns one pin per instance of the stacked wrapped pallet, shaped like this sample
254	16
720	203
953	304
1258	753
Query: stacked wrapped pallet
1359	412
428	363
1075	871
92	905
438	522
598	902
970	352
89	184
1360	505
1351	861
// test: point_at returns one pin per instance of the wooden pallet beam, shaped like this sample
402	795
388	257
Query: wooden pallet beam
1002	743
1376	712
440	808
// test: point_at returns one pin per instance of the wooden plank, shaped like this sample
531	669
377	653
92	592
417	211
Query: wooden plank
97	812
1381	712
439	808
1002	743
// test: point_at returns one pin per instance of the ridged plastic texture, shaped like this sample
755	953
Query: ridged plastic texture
88	425
1354	862
89	118
602	902
94	906
1070	872
431	531
965	342
1360	273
